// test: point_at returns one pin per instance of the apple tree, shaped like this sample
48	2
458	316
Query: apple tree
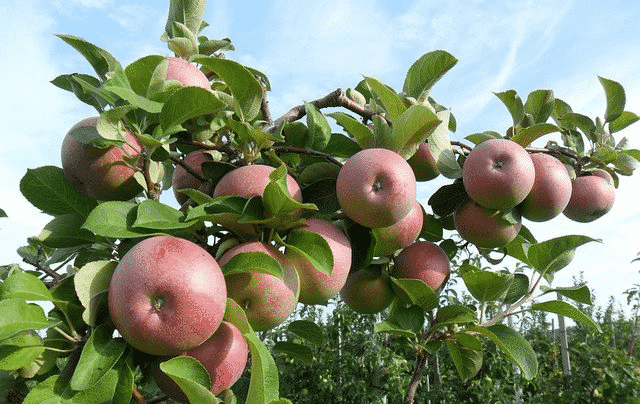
127	298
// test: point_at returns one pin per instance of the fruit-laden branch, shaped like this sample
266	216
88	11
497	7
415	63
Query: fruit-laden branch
335	98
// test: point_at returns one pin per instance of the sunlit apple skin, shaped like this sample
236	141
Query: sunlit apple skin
592	196
421	260
498	174
183	180
317	287
367	292
551	189
399	235
186	73
224	355
266	299
252	180
423	164
483	227
167	295
100	173
376	187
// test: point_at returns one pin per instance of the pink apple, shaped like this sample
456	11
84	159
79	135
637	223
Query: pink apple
167	295
101	173
376	187
183	180
399	235
367	291
592	196
551	189
423	164
498	174
224	355
252	180
266	299
186	73
485	227
422	260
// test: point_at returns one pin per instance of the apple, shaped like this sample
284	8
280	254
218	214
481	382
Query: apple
367	291
591	197
317	287
551	189
100	173
498	174
224	355
399	235
167	295
376	187
186	73
183	180
423	164
421	260
484	227
251	180
266	299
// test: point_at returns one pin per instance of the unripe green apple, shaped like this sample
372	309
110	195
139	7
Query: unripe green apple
101	173
367	291
399	235
421	260
592	196
167	295
498	174
551	189
266	299
376	187
484	227
317	287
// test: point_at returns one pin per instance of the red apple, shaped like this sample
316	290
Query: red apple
100	173
367	291
167	295
485	227
317	287
423	164
251	180
186	73
551	189
183	180
498	174
422	260
266	299
592	196
399	235
376	187
224	355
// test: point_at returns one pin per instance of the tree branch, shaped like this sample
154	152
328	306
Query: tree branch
188	168
302	150
418	371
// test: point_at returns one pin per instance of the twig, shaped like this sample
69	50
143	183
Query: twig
138	397
152	187
188	168
302	150
264	105
56	276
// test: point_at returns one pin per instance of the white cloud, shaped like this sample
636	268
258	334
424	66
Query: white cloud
136	17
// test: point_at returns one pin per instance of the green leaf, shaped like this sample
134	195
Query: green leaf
355	128
299	351
389	99
486	286
392	328
56	390
550	256
319	129
524	137
540	105
101	60
140	71
135	99
237	316
264	384
312	247
20	351
426	71
115	219
582	122
187	103
440	148
192	378
253	261
244	87
519	287
65	231
48	190
187	12
409	318
23	285
72	83
154	215
412	128
307	330
455	314
580	294
567	310
418	292
447	198
625	119
99	355
616	99
341	146
16	315
466	353
513	102
91	284
517	349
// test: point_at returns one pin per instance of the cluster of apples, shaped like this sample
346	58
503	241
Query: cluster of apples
505	183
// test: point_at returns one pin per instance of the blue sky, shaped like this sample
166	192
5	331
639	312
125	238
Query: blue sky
311	48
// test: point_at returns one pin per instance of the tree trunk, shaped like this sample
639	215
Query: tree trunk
418	372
